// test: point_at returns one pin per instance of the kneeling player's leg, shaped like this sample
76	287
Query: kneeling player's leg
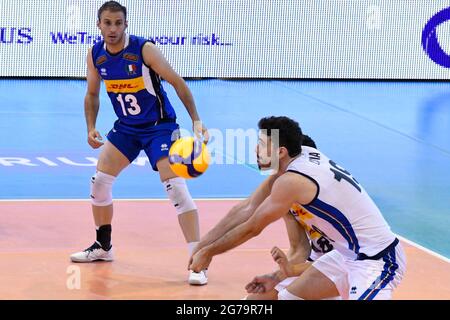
270	295
326	278
377	279
311	285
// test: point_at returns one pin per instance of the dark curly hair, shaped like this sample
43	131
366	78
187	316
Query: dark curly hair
308	142
290	133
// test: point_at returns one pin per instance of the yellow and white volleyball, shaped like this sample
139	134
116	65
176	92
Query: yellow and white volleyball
189	157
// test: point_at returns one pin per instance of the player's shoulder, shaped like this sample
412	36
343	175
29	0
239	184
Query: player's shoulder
292	186
149	51
148	46
97	46
140	41
290	178
96	50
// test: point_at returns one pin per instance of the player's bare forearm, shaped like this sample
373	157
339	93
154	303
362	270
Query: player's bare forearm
300	247
241	212
237	215
202	258
271	209
294	256
232	239
91	106
298	254
186	97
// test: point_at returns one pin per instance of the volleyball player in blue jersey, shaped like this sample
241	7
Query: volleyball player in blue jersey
131	68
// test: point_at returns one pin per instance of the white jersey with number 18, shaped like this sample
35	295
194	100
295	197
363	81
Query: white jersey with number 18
342	216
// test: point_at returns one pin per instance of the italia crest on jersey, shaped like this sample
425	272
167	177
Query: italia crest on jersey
131	69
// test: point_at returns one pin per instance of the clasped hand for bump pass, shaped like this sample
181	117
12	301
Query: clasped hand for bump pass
199	261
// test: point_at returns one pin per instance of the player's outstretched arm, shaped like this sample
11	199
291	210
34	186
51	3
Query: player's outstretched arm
91	102
284	192
238	214
154	58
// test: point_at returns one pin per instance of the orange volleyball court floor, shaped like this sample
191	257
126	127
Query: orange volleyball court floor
37	237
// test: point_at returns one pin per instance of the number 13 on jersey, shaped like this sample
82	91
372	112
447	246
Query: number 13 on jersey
129	104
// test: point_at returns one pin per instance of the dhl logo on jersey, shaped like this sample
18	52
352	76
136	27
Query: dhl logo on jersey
125	85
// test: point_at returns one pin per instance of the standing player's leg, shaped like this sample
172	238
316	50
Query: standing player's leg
111	162
157	149
178	193
186	209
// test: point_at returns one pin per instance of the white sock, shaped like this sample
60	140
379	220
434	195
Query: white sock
191	247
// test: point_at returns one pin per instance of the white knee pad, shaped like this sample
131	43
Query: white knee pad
179	195
286	295
101	189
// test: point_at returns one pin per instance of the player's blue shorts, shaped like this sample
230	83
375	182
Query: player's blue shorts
154	140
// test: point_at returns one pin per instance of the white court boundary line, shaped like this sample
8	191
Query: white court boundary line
412	243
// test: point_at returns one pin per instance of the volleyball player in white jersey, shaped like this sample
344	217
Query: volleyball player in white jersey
362	258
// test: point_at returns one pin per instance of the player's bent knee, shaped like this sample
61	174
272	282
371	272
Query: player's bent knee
286	295
179	195
101	189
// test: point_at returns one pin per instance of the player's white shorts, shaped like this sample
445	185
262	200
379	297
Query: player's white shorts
364	279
